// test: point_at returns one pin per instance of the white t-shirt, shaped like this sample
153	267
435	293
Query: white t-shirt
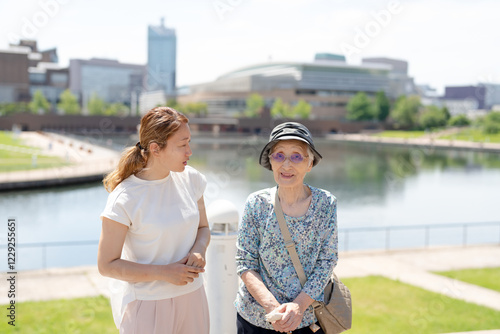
163	219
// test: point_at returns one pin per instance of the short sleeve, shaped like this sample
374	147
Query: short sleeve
199	183
115	208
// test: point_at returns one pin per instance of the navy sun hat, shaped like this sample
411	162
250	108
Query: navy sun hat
286	131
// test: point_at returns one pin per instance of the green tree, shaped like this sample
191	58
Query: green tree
432	117
360	108
116	109
68	103
382	106
39	103
459	120
491	123
302	109
197	109
172	103
446	113
281	109
96	105
255	102
13	108
405	112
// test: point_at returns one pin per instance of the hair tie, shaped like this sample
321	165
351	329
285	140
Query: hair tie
139	145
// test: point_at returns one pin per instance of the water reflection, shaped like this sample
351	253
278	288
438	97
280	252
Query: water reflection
353	172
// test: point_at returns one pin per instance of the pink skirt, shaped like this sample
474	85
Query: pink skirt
179	315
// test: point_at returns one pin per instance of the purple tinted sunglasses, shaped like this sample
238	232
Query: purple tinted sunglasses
295	158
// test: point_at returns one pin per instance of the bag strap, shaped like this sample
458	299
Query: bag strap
289	244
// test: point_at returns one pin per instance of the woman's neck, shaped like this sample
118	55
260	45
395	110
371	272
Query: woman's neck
151	173
293	195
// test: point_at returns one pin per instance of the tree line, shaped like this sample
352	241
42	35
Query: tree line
255	103
68	105
408	113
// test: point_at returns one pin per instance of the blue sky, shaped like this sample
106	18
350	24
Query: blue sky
445	42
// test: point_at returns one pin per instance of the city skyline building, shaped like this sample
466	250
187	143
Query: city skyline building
24	69
110	80
471	100
327	84
162	59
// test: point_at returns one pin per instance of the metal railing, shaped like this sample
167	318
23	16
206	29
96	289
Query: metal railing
427	229
346	234
45	245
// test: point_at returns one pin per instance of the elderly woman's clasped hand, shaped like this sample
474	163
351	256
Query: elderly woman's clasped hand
291	317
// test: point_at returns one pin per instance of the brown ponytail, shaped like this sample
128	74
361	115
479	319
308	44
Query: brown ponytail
156	126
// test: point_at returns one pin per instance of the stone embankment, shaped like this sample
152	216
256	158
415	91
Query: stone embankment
429	142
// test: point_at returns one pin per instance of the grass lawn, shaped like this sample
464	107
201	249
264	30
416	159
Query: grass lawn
380	306
471	134
82	315
486	277
401	134
383	306
14	161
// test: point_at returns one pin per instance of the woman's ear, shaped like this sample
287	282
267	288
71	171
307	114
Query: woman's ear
154	148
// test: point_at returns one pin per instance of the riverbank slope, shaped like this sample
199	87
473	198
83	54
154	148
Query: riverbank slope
87	163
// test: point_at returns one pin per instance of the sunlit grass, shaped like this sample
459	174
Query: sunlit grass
82	315
401	134
486	277
472	134
383	306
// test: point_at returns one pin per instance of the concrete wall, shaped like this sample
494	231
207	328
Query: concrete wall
108	124
70	123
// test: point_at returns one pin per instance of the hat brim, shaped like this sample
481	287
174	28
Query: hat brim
264	155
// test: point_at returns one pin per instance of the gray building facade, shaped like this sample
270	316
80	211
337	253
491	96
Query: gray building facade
110	80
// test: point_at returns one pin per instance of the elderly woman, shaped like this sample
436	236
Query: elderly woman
269	282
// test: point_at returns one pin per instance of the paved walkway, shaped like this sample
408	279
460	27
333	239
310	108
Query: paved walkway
88	162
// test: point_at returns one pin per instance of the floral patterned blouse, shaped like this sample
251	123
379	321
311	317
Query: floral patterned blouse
261	248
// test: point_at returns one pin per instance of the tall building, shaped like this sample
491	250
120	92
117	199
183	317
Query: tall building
110	80
162	50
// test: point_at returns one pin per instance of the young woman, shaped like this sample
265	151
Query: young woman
155	232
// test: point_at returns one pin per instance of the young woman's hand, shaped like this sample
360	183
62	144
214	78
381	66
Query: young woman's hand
196	260
180	273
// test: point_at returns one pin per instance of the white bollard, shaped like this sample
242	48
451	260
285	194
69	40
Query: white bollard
221	279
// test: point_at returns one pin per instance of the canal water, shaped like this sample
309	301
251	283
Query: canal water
376	186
